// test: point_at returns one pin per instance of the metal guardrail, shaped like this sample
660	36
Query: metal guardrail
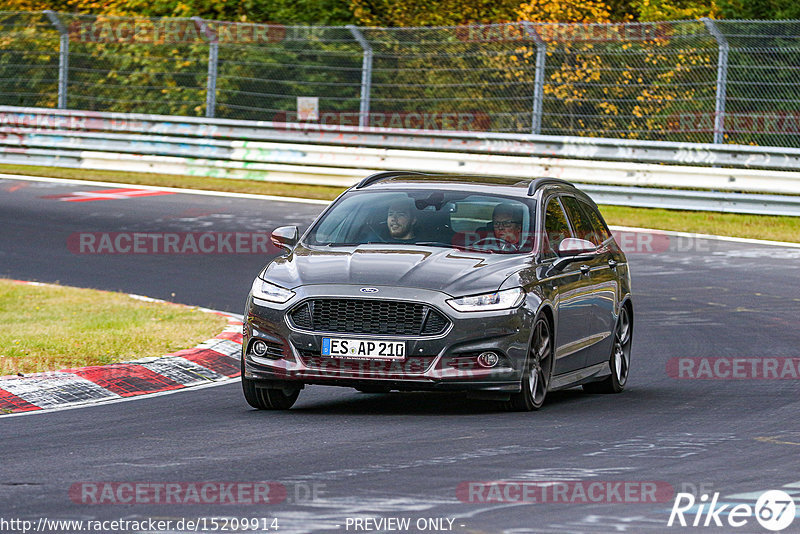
646	197
341	156
25	119
225	158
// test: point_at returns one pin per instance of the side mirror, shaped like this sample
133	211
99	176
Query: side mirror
285	237
571	250
573	246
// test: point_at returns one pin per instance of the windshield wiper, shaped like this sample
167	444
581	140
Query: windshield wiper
420	243
333	244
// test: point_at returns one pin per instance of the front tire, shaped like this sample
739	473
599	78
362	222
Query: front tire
538	370
264	398
620	360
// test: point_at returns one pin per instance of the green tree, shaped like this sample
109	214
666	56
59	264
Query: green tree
656	10
391	13
759	9
311	12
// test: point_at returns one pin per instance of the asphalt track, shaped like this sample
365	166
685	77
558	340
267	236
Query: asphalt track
406	455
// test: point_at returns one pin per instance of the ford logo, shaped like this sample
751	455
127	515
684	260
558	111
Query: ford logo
369	289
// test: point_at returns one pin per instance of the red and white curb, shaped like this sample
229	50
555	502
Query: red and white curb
214	360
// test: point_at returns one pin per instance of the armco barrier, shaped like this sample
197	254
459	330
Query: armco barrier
340	156
629	150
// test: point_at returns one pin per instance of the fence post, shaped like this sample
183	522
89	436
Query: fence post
722	79
63	58
366	75
538	79
213	55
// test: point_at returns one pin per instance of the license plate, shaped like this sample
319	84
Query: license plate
366	349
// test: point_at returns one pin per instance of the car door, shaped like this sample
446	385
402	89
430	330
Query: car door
573	307
600	282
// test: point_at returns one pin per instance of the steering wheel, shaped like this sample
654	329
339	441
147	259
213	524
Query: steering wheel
375	233
496	244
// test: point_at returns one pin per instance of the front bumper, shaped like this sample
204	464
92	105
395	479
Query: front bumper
444	362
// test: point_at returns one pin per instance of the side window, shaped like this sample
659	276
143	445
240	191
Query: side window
584	228
598	224
556	228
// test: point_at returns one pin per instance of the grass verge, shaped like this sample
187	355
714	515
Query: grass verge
321	192
773	228
46	328
729	224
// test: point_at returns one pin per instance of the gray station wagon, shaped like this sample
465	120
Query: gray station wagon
501	287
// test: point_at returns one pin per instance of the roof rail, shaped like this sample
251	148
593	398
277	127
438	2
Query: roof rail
539	182
378	176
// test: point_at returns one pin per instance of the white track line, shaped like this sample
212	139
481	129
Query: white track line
708	236
251	196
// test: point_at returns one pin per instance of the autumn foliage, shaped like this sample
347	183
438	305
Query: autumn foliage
611	68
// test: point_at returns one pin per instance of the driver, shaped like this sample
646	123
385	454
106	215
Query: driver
507	223
400	220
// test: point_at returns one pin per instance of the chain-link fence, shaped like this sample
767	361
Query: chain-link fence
700	81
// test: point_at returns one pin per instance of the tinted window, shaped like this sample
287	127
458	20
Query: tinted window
586	227
556	227
598	223
431	218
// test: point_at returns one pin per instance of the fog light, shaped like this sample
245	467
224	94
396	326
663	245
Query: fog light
259	348
488	359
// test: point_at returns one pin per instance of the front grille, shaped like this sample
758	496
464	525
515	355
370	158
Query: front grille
412	365
369	316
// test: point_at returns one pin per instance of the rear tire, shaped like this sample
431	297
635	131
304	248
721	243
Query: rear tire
620	359
538	370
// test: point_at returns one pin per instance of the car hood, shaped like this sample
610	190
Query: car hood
454	272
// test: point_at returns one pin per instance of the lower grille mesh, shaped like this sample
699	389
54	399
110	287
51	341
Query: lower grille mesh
413	365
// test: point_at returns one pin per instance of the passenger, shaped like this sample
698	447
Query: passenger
400	220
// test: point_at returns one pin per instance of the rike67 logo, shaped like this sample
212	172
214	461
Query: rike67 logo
774	510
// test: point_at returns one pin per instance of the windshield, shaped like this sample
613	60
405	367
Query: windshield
452	219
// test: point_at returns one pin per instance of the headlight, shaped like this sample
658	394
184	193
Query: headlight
499	300
265	291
